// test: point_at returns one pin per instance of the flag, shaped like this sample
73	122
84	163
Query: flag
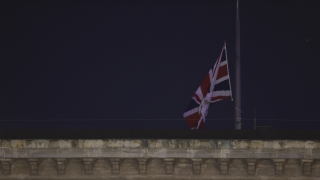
214	87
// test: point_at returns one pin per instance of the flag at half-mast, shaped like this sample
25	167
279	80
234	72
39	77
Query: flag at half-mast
215	87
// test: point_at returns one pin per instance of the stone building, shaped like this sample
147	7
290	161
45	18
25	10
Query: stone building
160	155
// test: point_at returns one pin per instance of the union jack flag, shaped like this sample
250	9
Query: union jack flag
215	87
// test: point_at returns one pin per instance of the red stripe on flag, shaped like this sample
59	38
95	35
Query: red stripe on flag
223	71
205	85
193	119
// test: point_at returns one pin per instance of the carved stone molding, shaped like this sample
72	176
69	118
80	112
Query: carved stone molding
61	165
278	166
88	165
307	166
169	165
142	165
196	166
251	163
34	166
224	165
6	166
115	165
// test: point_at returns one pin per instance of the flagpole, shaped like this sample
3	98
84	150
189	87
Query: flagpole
238	85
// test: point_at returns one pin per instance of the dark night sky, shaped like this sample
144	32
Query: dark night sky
76	64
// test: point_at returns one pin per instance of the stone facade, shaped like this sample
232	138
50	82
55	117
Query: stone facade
159	159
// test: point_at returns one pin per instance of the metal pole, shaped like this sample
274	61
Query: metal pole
238	74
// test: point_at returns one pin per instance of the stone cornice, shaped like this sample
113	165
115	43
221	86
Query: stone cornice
114	158
146	148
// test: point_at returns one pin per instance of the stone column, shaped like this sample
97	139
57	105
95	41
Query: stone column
34	166
115	165
251	163
88	165
142	165
278	166
61	165
196	166
6	166
224	165
169	165
307	166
